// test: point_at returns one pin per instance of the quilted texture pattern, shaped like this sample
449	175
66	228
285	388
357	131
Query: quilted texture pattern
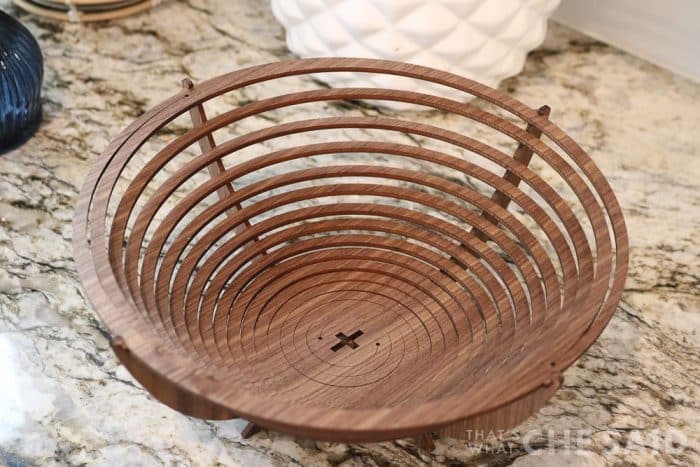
486	40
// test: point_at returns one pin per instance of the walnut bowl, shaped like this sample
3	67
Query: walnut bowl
320	267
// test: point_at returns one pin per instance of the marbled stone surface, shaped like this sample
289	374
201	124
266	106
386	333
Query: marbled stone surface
631	400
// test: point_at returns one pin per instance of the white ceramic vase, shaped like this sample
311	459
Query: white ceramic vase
486	40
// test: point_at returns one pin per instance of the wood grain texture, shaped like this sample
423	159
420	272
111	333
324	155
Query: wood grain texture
355	302
86	10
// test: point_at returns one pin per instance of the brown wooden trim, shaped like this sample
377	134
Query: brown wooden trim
75	13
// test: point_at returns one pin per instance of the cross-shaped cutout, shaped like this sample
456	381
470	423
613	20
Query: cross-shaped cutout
347	340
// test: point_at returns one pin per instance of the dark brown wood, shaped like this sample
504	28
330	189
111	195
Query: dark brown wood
250	429
206	144
425	441
523	154
75	10
349	301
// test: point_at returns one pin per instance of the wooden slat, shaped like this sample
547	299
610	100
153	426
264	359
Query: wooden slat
523	154
206	144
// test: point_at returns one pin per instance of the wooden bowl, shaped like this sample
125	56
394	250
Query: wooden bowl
351	288
85	10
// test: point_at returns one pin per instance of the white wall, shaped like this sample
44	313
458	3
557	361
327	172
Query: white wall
665	32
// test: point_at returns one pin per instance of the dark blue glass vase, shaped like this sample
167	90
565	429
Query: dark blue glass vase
21	73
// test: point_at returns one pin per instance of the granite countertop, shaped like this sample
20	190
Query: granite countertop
632	399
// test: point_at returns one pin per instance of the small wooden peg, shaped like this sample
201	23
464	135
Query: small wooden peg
250	430
187	83
425	441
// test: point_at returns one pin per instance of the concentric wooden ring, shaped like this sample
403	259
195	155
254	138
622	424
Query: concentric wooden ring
349	301
85	10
